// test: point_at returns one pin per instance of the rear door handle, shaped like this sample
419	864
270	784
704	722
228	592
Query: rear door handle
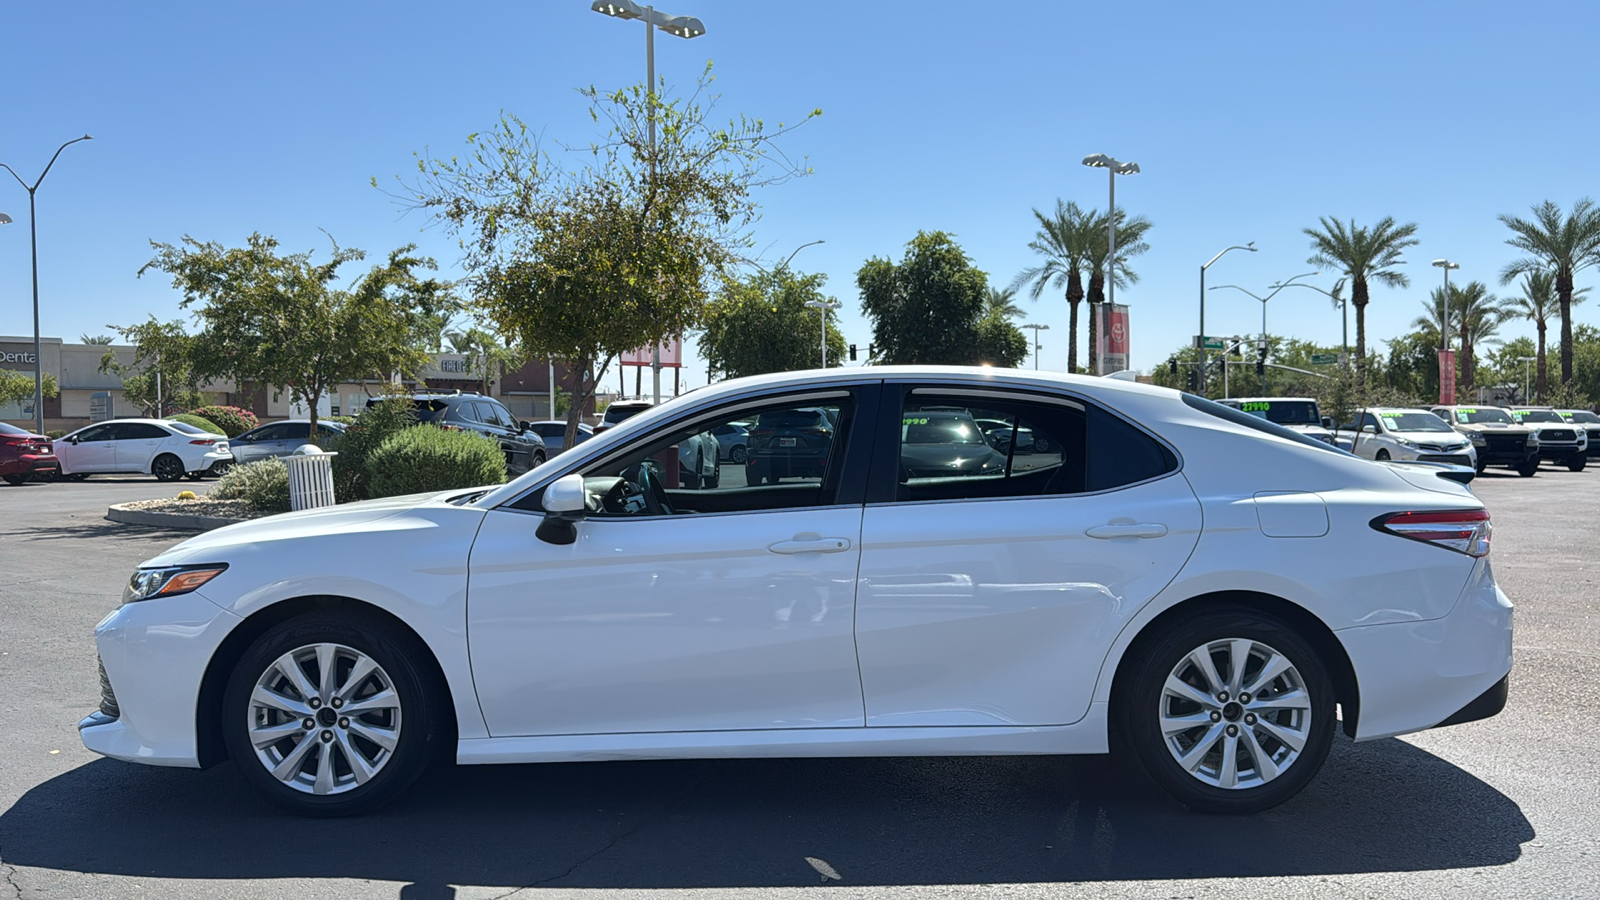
819	545
1140	530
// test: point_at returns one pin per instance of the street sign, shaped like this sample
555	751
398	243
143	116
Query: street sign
99	406
1324	359
1215	343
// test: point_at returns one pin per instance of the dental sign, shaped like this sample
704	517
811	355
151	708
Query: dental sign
9	357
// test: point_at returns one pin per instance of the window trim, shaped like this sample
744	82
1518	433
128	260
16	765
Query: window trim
882	490
853	480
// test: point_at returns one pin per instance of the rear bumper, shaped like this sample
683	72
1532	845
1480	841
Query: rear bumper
1489	703
29	464
1418	675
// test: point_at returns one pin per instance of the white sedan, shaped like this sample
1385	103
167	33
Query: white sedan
1384	433
1205	584
160	447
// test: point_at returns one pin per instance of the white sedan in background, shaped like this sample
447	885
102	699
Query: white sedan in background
160	447
1415	435
1206	584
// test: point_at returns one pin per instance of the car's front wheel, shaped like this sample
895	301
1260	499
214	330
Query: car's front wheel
1229	711
327	714
1529	467
1577	462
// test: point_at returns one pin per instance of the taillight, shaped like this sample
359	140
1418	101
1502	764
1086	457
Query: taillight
204	442
1462	530
451	427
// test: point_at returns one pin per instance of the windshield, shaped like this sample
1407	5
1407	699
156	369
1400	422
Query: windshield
1538	415
937	429
1413	421
1467	415
1587	418
186	428
792	418
616	413
1284	412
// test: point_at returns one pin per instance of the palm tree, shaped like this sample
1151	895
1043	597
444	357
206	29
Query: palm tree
1062	240
1475	315
98	340
1538	304
1130	243
998	304
1562	246
1362	254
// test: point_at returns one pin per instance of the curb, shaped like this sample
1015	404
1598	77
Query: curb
118	513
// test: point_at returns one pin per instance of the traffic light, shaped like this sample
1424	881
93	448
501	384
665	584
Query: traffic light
1194	381
852	352
1172	366
1261	358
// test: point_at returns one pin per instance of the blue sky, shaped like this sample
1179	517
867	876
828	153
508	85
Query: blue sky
1249	120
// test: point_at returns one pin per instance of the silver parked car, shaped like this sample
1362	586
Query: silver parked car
281	439
554	432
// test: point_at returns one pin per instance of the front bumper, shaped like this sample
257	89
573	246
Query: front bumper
1418	675
155	654
1561	452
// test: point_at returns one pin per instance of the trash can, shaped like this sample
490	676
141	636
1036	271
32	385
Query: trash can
310	477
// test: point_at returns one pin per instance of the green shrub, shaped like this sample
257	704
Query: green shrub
376	424
263	485
430	458
199	422
54	433
231	419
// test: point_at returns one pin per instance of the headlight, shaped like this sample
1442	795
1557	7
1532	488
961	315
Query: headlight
1477	438
1533	440
168	581
1405	443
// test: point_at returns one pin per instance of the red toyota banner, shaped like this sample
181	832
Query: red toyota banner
1447	377
671	355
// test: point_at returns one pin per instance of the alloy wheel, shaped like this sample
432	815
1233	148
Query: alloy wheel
324	718
1235	713
167	468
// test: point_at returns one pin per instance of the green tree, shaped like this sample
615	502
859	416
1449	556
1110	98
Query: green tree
487	355
17	387
1362	255
760	324
926	308
1475	316
1000	343
98	340
161	377
278	320
1538	304
1097	249
1001	304
582	266
1504	365
1562	246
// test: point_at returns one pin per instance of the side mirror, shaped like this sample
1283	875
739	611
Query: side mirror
1369	429
565	503
524	425
1327	422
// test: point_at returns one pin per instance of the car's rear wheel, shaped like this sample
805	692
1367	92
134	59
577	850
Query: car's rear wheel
328	715
167	468
738	455
1229	711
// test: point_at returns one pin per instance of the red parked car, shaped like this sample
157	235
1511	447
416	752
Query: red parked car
25	455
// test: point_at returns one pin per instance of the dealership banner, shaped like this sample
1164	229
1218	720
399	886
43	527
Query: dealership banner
1447	377
1112	339
671	355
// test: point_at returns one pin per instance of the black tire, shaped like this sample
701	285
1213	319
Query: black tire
1382	456
77	476
1481	465
1577	463
17	480
1140	701
1529	467
167	468
738	455
425	729
538	460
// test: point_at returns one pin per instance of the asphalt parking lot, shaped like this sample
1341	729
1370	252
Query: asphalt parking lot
1509	807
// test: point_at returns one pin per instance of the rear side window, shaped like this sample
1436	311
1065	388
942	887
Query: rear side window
1121	454
142	431
1212	408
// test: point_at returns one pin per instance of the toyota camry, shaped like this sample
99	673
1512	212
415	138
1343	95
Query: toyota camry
1206	591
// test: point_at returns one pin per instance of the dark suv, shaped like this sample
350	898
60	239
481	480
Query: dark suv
523	447
788	443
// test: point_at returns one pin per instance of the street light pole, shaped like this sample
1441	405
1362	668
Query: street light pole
1114	168
799	248
684	27
1036	329
1444	313
1337	296
822	307
1273	293
1205	357
33	238
1527	377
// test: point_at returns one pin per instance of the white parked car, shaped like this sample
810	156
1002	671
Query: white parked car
160	447
1205	583
1385	433
1294	413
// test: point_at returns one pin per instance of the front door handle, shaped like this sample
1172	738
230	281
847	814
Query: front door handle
816	545
1140	530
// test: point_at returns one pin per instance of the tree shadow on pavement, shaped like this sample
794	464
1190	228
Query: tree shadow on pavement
1378	807
89	529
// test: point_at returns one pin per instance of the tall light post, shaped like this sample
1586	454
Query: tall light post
1527	377
1444	312
1337	296
823	307
684	27
1205	357
33	234
1036	329
799	248
1273	293
1113	168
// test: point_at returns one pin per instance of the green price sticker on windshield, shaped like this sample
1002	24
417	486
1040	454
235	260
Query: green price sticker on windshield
1257	406
910	421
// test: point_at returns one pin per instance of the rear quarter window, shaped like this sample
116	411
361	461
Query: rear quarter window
1120	454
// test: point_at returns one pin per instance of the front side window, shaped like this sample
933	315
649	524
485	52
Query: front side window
794	459
97	433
